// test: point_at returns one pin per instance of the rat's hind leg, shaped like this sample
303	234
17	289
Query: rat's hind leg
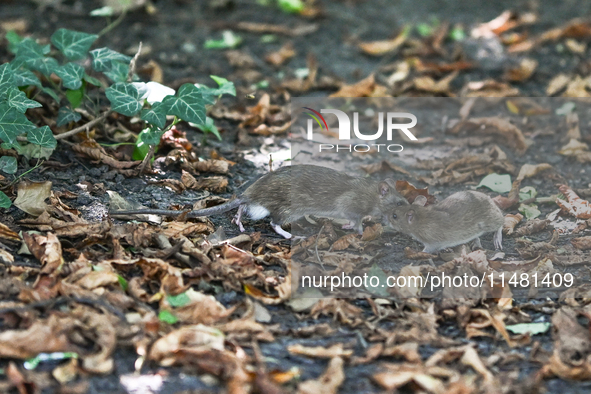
280	231
498	239
238	216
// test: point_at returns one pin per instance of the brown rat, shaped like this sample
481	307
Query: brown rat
460	218
291	192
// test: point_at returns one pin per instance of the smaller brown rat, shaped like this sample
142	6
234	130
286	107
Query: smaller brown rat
459	219
291	192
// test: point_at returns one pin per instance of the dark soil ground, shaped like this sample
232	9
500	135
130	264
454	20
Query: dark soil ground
174	36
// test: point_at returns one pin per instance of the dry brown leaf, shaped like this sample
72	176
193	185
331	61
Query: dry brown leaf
95	279
175	229
345	241
582	243
31	197
576	149
530	170
571	358
264	28
557	83
489	88
48	250
339	308
510	222
427	379
335	350
410	192
153	69
194	338
578	87
365	88
428	84
494	125
328	383
43	336
409	351
576	206
372	232
8	234
526	69
282	55
378	48
92	150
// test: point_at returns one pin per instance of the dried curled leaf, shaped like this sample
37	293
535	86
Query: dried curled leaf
345	241
372	232
531	227
328	383
582	243
510	222
410	192
495	125
530	170
576	206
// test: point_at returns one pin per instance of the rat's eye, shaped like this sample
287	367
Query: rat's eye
394	216
399	203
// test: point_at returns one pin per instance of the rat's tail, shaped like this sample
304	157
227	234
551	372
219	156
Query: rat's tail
225	207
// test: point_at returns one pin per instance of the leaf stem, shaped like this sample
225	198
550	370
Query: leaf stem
114	24
84	127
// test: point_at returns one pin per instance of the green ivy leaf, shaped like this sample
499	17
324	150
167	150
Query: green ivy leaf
6	78
73	44
291	6
46	65
12	123
32	151
103	58
148	136
151	136
92	80
208	127
8	164
496	183
529	211
51	93
42	136
75	96
118	72
179	300
187	104
23	77
210	95
124	98
66	115
167	317
155	116
13	40
4	201
225	86
71	75
527	192
17	99
29	49
229	40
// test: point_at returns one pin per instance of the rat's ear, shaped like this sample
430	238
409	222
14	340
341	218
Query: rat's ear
410	216
420	200
384	188
386	185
